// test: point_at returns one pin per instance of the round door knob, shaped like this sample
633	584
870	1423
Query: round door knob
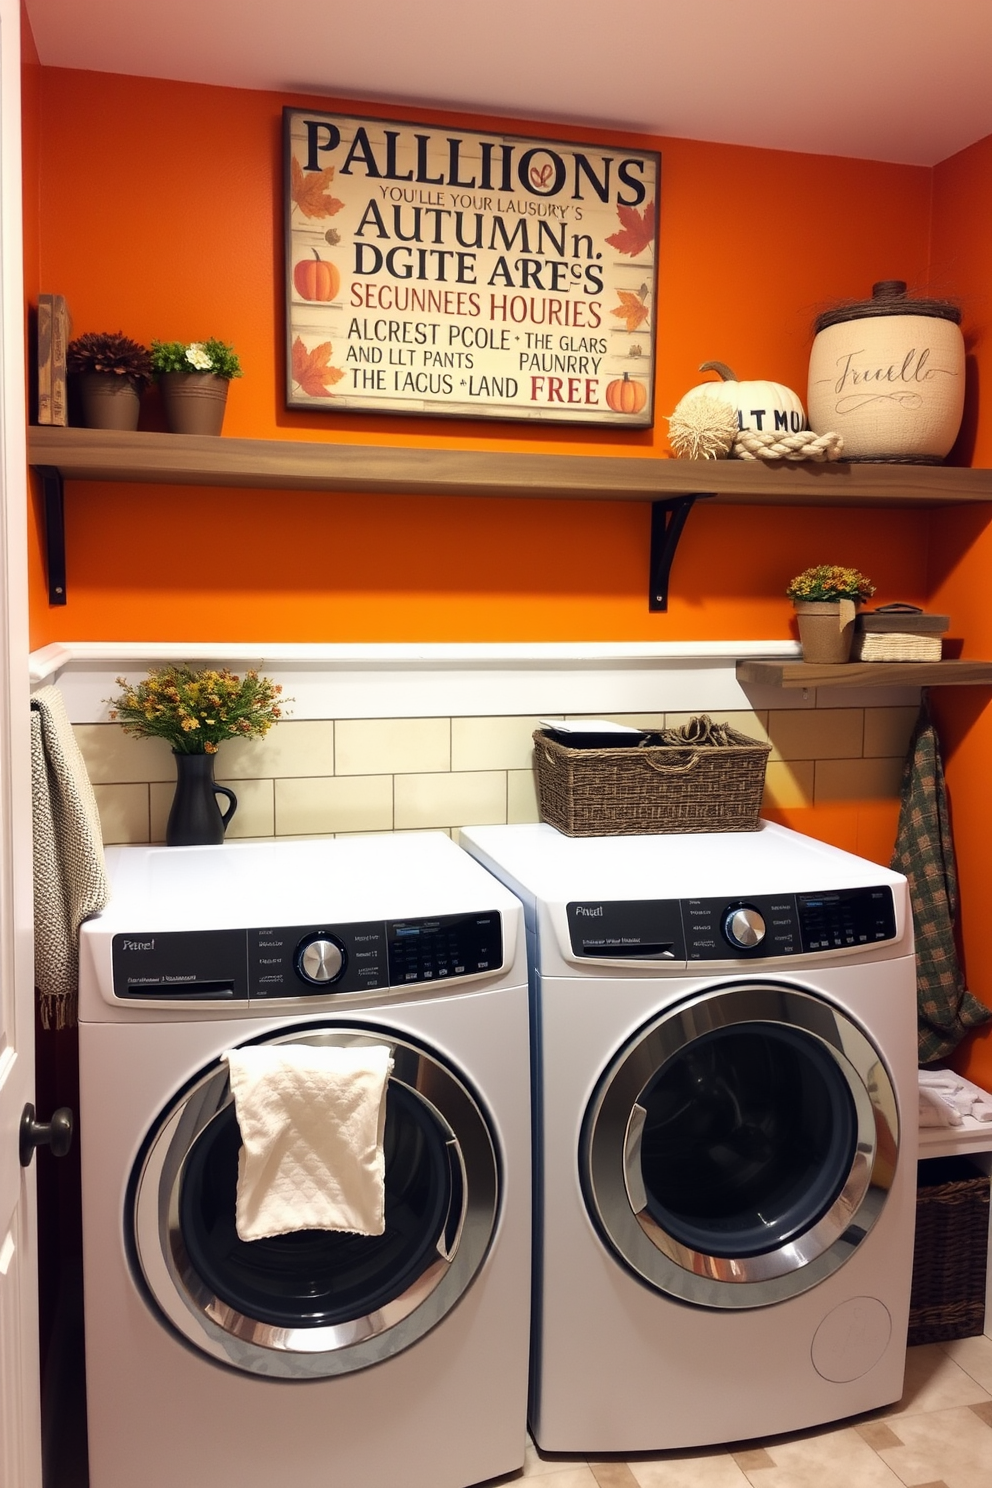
56	1134
320	960
744	927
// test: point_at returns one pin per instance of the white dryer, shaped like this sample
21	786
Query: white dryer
725	1039
315	1358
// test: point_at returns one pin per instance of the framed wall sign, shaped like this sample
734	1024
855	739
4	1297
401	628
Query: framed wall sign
442	271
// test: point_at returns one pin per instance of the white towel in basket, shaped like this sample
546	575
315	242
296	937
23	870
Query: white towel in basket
312	1121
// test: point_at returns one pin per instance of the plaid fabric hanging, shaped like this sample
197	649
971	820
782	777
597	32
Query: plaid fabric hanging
924	852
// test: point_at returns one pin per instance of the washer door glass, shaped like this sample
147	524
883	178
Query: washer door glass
315	1302
741	1146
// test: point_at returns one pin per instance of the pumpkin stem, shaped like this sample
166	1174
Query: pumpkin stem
316	255
720	367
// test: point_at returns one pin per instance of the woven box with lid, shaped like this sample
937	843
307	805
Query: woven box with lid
704	777
898	632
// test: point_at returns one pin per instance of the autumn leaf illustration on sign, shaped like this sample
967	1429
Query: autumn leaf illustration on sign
636	230
313	370
309	191
632	309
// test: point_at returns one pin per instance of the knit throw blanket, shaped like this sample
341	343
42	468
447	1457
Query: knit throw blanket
70	881
924	852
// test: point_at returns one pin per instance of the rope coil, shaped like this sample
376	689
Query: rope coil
750	445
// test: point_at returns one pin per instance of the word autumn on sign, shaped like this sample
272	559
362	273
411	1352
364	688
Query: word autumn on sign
440	271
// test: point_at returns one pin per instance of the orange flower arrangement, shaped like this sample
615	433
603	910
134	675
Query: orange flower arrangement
195	712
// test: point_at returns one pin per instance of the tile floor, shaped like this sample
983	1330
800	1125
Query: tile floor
939	1435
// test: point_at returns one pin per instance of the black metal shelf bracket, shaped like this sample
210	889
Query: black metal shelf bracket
53	494
667	520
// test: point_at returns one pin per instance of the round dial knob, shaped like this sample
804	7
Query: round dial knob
320	960
744	927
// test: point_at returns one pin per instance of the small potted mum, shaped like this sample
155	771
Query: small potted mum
110	371
193	378
195	713
826	600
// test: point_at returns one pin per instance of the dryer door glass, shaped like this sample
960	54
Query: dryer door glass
317	1303
747	1138
741	1145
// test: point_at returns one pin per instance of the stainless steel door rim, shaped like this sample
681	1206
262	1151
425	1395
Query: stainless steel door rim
839	1057
465	1145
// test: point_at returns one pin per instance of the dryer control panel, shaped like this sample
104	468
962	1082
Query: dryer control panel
304	960
757	927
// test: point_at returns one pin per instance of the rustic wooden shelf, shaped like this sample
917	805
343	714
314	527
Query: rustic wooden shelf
295	464
673	486
867	673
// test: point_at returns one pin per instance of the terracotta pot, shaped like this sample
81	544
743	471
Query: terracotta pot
888	374
108	401
194	402
826	629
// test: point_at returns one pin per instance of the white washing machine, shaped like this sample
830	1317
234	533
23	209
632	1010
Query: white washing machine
315	1358
725	1039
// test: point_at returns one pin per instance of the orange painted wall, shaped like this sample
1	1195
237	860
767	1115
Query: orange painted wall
30	210
161	216
961	567
155	207
30	146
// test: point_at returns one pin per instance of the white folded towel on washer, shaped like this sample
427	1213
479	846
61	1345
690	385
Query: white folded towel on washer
312	1120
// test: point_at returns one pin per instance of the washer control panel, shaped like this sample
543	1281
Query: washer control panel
757	927
304	960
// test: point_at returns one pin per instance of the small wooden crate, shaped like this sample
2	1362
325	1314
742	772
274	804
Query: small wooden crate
949	1260
622	792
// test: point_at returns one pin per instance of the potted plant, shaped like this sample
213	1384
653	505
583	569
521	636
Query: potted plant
111	372
196	712
194	378
826	600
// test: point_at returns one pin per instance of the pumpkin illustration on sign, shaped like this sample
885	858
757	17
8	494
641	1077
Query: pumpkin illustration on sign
624	395
765	407
316	278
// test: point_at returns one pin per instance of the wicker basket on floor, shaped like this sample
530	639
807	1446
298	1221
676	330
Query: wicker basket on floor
949	1260
689	786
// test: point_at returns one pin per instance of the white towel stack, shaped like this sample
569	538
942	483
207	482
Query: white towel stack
946	1099
312	1121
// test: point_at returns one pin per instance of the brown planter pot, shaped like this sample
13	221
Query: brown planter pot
826	629
194	402
108	401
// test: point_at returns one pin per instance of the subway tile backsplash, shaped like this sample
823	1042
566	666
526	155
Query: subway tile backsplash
325	777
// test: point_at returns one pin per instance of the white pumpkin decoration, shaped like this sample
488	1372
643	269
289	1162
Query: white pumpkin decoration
765	407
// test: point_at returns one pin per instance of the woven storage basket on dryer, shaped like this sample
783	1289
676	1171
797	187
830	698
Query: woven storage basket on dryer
688	782
949	1260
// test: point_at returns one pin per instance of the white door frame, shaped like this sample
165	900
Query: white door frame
20	1426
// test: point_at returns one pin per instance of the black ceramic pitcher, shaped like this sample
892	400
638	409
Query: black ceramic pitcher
196	817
